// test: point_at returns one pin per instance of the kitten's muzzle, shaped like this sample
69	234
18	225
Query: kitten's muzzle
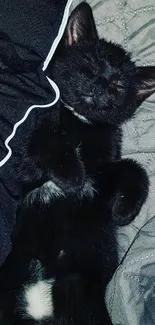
89	99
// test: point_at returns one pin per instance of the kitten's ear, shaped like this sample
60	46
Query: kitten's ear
145	83
81	24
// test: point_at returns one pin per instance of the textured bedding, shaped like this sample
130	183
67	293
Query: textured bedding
131	293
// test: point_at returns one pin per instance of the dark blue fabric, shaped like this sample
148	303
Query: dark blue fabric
27	31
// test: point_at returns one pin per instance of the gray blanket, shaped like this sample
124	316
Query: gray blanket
131	292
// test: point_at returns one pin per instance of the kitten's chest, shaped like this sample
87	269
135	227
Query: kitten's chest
97	143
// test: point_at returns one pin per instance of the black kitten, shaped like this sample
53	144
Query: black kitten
76	187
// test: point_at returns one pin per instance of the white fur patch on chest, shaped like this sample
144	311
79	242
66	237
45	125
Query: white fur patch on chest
45	193
38	297
52	190
49	191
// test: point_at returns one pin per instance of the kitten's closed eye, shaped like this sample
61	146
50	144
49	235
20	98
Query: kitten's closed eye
89	71
110	83
117	84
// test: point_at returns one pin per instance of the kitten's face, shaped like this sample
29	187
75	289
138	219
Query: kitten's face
96	78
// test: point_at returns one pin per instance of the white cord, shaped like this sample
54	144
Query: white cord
59	36
54	86
5	159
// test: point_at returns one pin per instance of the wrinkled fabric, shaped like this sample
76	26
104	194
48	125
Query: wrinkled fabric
27	31
131	292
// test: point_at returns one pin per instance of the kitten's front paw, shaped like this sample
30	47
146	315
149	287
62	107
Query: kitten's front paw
125	208
50	159
131	193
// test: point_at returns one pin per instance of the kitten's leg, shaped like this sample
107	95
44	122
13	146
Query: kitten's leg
128	184
76	299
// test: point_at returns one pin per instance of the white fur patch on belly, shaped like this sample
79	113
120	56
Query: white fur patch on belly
50	189
45	193
88	189
38	298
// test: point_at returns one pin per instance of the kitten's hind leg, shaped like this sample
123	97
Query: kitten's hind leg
128	187
78	302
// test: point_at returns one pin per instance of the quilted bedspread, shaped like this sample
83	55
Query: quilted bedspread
131	292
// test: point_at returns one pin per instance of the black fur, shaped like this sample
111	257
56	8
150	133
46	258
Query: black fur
69	235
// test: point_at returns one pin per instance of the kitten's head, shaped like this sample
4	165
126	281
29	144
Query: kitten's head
97	79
